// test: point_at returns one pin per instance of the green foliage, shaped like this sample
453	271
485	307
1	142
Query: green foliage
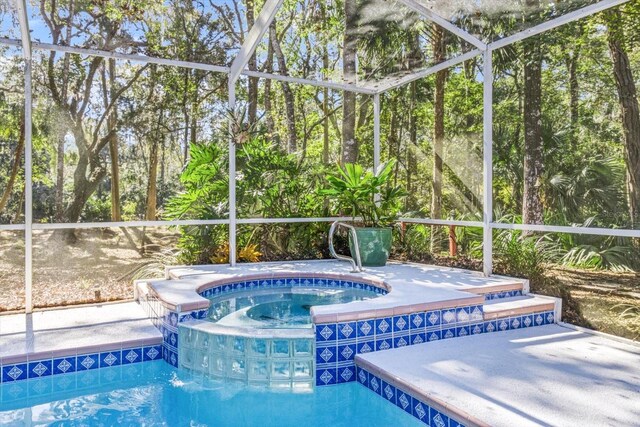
354	189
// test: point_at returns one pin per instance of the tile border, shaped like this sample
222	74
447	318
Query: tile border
78	361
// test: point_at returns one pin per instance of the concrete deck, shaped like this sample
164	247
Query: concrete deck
64	332
413	287
548	375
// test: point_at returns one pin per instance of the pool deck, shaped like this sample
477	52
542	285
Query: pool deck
70	331
549	375
412	287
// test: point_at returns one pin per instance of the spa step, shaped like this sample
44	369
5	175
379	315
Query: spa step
500	290
514	306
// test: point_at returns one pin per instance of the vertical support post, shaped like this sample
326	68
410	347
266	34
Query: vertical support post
25	35
232	178
487	164
28	190
376	130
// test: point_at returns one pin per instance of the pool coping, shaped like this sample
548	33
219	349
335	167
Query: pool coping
181	289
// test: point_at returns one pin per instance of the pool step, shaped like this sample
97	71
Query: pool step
519	305
500	291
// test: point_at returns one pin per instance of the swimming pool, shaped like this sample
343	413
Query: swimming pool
156	394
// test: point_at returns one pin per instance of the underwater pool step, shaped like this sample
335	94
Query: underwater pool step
515	306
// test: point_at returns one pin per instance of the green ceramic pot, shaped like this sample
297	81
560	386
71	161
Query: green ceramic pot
375	245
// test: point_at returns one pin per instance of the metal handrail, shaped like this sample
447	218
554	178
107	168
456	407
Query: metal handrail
355	261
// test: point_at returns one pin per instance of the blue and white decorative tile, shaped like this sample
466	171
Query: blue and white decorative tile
418	338
448	316
401	324
549	318
172	339
388	392
346	352
86	362
416	322
383	327
433	335
432	318
326	376
347	331
365	347
384	344
64	365
374	384
152	353
307	282
420	411
326	354
438	419
173	358
538	319
14	372
40	368
462	331
131	355
366	328
320	282
476	328
527	321
110	358
404	401
448	333
462	315
401	341
362	376
515	322
490	326
326	332
476	313
346	374
503	324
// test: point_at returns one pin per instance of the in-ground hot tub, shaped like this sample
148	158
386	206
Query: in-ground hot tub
260	331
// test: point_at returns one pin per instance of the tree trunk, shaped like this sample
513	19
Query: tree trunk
17	161
59	195
185	113
113	148
152	192
629	112
412	164
289	101
532	209
350	40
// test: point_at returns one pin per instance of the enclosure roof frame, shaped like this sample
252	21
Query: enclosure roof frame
264	20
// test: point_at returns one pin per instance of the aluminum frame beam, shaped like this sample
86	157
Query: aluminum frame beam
432	70
21	6
618	232
318	83
129	57
487	163
257	31
444	23
556	22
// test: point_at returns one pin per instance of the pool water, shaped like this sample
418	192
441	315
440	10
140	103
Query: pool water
275	309
156	394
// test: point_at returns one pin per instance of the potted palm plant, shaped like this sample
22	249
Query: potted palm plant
372	202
